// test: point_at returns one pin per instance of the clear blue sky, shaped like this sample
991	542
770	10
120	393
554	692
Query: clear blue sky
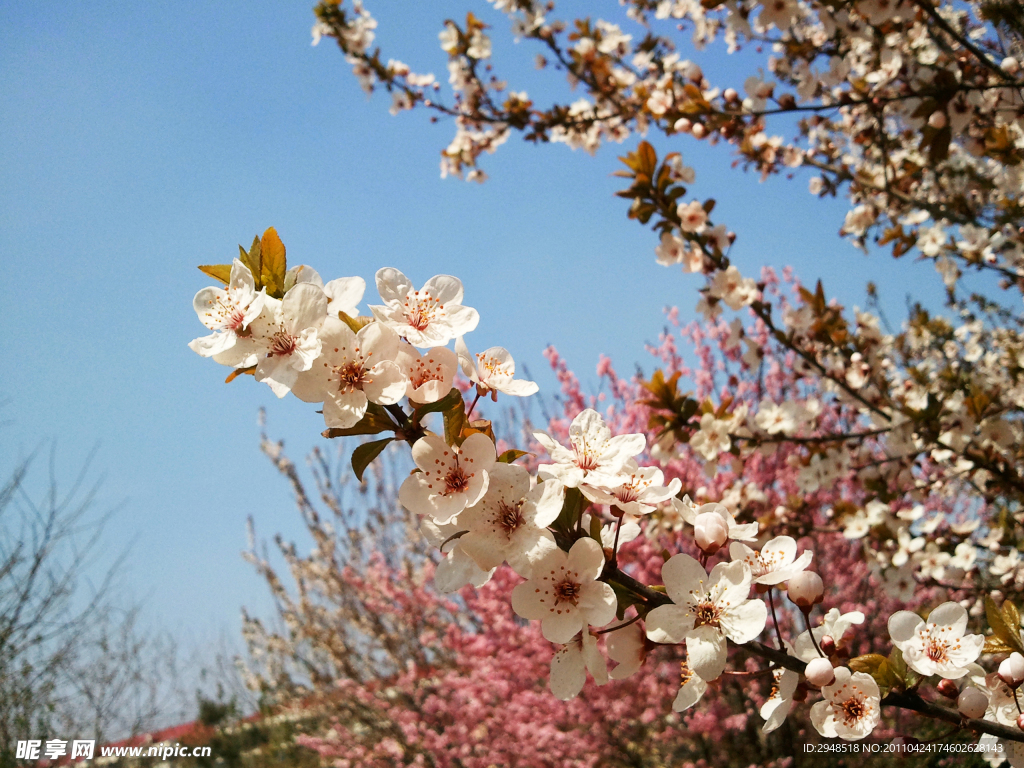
138	140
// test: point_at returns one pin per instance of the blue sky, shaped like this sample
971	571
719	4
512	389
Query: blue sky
140	140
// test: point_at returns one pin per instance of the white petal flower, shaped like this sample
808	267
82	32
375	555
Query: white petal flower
779	704
353	370
692	689
450	479
571	662
344	295
640	494
706	610
429	317
429	375
564	593
595	456
492	371
627	647
286	335
456	569
938	646
510	522
851	708
737	532
227	311
834	625
775	563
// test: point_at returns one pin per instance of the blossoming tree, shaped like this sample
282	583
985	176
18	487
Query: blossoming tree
810	430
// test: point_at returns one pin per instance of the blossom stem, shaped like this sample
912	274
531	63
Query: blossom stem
617	626
471	407
807	620
775	619
615	545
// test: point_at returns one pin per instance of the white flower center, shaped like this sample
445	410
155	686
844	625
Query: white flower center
455	481
510	517
567	591
350	377
282	344
419	312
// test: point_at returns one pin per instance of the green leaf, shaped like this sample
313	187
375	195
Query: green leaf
274	264
572	508
454	422
220	272
366	453
996	645
446	403
355	323
253	260
511	455
375	421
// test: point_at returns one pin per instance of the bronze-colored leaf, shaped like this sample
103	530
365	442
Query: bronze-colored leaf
220	272
274	264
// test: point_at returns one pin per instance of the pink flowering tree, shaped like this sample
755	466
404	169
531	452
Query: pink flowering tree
813	522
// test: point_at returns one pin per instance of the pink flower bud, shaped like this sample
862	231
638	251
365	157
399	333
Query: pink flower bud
699	131
937	120
948	689
1020	722
710	531
1011	671
827	645
730	94
972	702
819	672
683	125
806	589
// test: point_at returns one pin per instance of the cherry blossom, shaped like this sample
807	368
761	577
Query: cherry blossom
457	568
450	479
228	312
628	647
344	295
492	370
738	532
564	593
571	662
286	338
429	317
851	708
779	704
510	522
429	376
705	611
775	563
938	645
641	493
595	456
354	370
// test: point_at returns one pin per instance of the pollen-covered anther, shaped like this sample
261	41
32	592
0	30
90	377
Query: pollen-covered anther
456	481
567	591
282	344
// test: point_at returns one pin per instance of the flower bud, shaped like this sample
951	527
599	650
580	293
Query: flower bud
1020	722
819	672
948	689
1010	65
937	120
730	94
972	702
1011	671
699	131
710	531
683	125
827	645
806	589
